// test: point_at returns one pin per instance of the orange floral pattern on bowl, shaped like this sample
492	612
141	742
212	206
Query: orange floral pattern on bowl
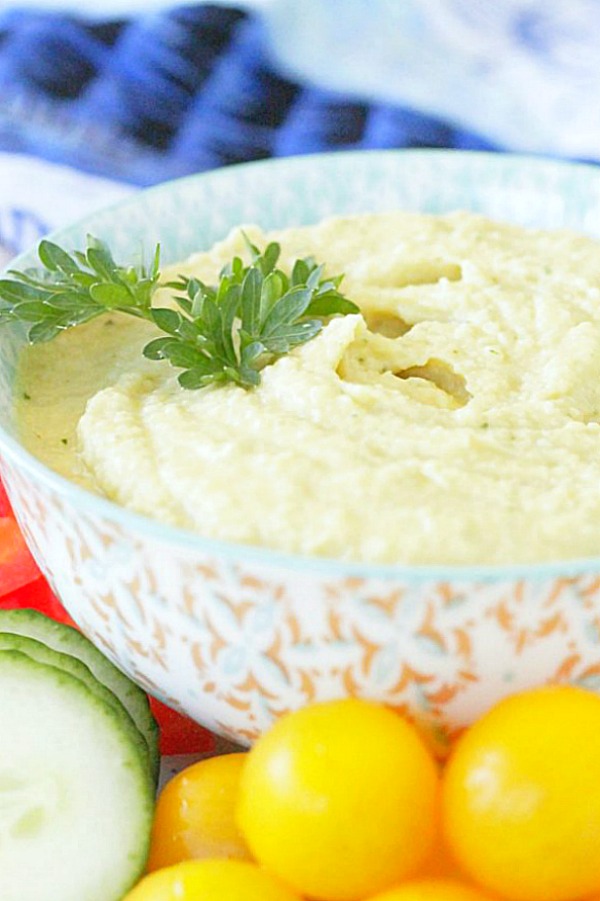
236	645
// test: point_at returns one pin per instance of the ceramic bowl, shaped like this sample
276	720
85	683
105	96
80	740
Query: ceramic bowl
235	635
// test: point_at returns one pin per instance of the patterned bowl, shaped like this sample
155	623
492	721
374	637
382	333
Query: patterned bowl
235	635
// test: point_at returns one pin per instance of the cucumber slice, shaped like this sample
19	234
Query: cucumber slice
10	641
76	799
67	640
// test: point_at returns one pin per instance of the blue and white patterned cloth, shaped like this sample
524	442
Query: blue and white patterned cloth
140	92
188	88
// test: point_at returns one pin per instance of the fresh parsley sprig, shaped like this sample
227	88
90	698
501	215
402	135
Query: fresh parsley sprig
71	290
217	333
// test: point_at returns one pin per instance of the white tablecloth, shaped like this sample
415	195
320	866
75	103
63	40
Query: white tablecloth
37	197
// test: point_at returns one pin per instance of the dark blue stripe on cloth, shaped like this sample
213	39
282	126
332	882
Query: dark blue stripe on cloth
237	115
37	56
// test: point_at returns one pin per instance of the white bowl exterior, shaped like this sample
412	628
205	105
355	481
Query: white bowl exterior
235	644
236	638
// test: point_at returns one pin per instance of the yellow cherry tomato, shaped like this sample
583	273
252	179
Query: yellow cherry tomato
521	797
195	814
211	880
340	800
433	890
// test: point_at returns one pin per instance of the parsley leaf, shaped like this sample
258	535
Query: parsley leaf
216	333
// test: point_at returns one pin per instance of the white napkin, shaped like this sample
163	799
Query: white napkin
37	197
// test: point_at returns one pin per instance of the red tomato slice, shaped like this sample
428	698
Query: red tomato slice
178	734
5	508
17	566
39	596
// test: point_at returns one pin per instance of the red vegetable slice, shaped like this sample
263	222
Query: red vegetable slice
17	566
37	595
178	734
5	508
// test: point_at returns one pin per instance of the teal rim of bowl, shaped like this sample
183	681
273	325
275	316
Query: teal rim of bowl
89	503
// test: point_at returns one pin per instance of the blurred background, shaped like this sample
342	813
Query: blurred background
100	98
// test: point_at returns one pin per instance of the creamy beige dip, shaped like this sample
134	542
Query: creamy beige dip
457	420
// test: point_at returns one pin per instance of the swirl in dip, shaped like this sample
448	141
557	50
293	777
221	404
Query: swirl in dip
457	420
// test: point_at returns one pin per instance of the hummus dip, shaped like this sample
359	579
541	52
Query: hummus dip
456	420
